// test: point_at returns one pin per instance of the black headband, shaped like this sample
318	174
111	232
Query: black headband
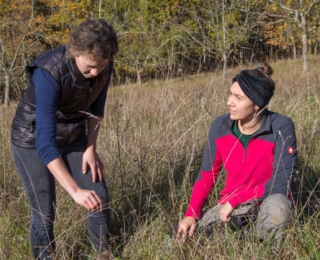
257	89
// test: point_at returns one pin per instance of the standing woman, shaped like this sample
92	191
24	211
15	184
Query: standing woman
55	130
257	149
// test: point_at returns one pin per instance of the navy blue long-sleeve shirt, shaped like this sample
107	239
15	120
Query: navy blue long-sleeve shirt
47	92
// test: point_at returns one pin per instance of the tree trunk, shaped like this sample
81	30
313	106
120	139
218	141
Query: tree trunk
304	43
294	50
225	61
6	90
271	52
139	77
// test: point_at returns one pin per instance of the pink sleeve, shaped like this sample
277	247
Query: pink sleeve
207	175
202	187
200	192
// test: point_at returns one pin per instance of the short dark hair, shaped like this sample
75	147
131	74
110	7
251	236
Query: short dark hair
95	37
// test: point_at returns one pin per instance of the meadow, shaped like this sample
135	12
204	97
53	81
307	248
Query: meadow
151	142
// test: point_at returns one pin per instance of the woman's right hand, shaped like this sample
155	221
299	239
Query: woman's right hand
186	226
88	199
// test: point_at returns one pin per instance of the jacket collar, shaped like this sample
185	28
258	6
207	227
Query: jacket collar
265	123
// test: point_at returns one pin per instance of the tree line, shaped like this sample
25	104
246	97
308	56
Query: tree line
160	38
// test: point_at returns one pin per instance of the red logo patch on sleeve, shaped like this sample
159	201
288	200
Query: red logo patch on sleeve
290	150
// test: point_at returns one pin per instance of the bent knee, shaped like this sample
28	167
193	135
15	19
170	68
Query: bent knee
276	208
276	202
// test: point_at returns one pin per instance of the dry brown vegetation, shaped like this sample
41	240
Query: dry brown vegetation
151	142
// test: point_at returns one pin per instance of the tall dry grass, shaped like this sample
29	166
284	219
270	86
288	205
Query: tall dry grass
151	142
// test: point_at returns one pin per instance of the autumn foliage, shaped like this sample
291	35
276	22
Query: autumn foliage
160	39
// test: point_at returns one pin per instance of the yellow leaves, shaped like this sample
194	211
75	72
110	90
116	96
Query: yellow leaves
60	17
51	22
274	7
279	34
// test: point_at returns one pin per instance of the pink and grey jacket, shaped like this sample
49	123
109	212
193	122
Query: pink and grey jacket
266	166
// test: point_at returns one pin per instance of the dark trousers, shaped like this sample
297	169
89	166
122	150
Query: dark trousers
39	184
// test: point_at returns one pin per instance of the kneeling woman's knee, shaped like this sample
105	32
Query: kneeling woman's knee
275	210
274	214
276	203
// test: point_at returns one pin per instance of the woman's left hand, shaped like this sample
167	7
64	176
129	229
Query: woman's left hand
225	212
92	159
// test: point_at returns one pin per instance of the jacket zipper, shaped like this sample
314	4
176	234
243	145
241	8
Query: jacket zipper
245	148
244	154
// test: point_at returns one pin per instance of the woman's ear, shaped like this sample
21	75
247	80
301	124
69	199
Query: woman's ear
256	108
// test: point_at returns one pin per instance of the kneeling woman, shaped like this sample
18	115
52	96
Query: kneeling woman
257	149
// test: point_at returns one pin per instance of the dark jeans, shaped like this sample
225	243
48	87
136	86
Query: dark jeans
39	184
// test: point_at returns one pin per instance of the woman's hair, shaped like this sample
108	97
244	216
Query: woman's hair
263	70
95	37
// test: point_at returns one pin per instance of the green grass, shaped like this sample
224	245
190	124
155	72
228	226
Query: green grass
151	142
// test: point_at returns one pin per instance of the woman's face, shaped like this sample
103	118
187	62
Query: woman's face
241	107
90	65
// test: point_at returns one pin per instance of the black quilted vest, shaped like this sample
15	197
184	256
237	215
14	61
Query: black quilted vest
73	103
